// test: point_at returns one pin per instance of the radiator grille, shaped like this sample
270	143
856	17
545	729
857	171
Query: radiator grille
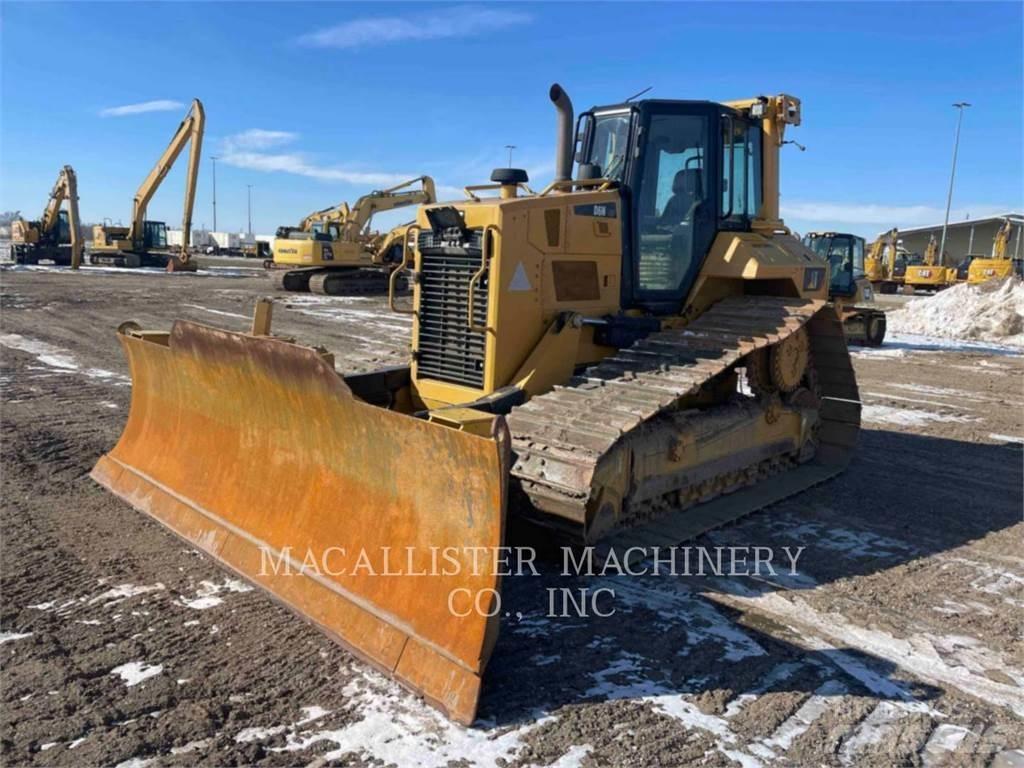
447	349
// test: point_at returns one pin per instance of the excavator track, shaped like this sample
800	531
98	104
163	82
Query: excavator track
349	282
331	282
561	438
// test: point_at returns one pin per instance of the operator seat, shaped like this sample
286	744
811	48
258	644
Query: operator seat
687	192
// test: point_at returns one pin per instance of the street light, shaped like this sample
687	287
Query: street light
960	105
510	147
249	188
214	159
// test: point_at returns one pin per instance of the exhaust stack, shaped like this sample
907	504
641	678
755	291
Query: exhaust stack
564	144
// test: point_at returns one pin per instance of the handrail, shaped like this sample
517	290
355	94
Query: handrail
601	184
393	277
484	256
469	190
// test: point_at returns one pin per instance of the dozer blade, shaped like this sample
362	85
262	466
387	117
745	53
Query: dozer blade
254	450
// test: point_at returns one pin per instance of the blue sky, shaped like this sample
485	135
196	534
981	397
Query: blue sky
316	103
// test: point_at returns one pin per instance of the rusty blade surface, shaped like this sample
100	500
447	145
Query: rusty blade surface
362	520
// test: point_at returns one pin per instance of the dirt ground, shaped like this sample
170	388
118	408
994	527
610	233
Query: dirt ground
898	641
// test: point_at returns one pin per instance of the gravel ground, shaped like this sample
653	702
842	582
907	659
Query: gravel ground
898	641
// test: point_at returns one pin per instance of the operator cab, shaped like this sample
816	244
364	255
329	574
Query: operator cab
687	170
845	256
63	228
154	235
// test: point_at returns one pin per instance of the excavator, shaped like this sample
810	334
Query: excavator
883	266
144	243
333	251
848	286
49	238
999	265
930	274
638	353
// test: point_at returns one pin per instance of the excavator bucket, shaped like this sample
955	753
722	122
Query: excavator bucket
365	521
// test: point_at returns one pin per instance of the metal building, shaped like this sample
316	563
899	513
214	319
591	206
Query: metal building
974	236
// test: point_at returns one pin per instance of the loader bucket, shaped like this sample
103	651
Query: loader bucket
360	519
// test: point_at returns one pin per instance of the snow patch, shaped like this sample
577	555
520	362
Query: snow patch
207	594
134	672
907	417
993	311
59	359
6	637
397	729
216	311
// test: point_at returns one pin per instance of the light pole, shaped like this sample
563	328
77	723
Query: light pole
510	147
249	187
214	159
960	105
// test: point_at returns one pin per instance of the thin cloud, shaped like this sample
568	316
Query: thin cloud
884	215
453	21
158	105
243	150
259	138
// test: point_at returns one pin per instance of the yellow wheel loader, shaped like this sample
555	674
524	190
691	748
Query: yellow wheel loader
849	287
144	243
1000	264
638	353
55	236
334	252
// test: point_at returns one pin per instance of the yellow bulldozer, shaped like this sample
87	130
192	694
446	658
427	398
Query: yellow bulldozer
55	236
144	243
1000	264
334	252
849	287
638	353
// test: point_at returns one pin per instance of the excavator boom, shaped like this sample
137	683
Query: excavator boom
190	130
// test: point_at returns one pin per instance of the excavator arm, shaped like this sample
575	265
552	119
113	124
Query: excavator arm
191	129
387	200
65	188
1001	241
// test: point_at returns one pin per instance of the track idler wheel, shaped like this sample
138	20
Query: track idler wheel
788	361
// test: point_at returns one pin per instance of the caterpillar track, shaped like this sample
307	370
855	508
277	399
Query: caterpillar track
331	282
646	396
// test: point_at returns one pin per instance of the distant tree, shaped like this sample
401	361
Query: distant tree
7	217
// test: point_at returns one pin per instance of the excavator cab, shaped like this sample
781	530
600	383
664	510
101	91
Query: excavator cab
154	235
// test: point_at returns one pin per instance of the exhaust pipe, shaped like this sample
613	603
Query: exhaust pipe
564	144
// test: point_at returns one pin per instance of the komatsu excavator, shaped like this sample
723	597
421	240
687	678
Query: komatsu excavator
849	287
999	265
931	274
334	252
55	236
882	264
636	354
144	243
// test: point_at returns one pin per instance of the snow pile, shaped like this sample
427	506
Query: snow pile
992	311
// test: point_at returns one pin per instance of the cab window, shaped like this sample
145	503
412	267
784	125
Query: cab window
672	201
609	143
741	170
